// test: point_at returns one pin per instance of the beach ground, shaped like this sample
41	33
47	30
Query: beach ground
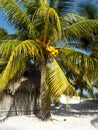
79	116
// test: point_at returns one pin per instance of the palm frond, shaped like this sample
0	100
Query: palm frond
30	7
69	59
80	29
15	15
88	9
47	23
23	1
75	44
17	61
94	52
57	81
70	18
3	63
6	47
80	63
64	6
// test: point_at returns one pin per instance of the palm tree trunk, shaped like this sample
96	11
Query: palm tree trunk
44	97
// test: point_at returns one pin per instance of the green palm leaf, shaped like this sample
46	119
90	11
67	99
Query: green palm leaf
47	23
57	80
80	63
70	18
7	46
62	6
88	9
17	61
16	15
80	29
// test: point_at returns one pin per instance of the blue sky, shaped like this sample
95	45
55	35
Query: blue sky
5	24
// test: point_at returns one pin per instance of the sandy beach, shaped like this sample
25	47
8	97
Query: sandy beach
79	116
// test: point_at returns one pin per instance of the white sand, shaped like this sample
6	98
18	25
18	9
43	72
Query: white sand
71	123
80	116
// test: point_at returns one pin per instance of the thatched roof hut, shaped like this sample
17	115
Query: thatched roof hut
20	97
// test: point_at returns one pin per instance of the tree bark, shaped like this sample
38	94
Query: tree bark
44	96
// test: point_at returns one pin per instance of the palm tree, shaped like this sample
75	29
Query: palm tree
89	10
39	32
80	69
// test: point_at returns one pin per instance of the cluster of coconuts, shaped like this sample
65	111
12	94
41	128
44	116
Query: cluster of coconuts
52	50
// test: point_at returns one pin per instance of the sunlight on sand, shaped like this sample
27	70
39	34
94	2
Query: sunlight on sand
79	116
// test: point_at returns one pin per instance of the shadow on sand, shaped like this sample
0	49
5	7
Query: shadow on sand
85	108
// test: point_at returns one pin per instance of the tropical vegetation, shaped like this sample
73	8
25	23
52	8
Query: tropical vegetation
46	38
89	10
